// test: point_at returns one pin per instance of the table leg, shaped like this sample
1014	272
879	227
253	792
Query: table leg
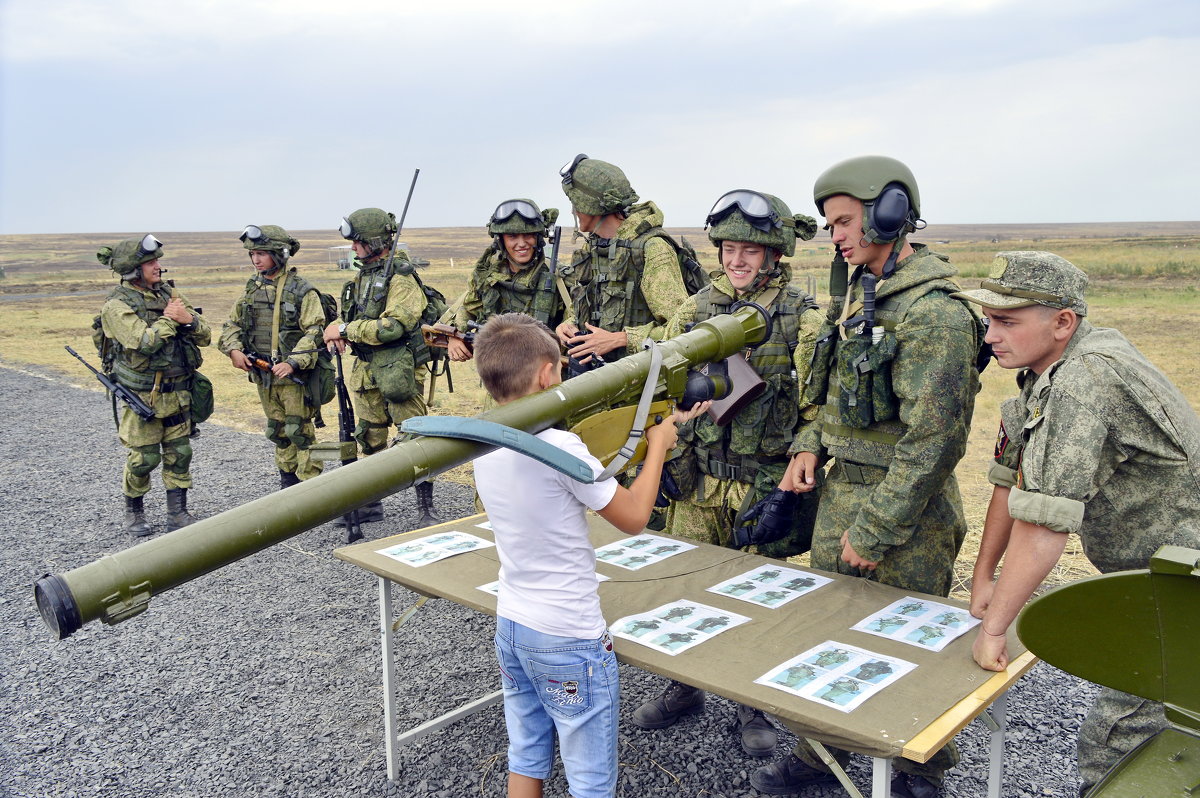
997	714
389	704
881	777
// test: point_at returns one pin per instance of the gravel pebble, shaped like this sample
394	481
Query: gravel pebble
263	678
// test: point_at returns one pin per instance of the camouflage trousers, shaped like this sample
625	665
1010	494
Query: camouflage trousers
708	515
290	427
375	414
151	443
924	563
1115	725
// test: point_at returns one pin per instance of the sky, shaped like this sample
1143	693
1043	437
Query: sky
199	115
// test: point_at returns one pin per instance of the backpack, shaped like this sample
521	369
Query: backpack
319	388
694	276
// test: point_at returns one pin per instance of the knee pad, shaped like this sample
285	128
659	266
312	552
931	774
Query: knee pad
275	433
177	455
143	459
297	431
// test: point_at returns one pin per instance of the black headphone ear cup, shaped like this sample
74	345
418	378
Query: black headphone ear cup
889	212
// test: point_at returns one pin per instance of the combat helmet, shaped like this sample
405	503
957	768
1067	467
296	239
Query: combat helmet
125	257
887	188
270	238
371	226
596	187
745	215
516	216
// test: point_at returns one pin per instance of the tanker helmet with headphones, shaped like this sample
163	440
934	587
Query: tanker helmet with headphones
887	189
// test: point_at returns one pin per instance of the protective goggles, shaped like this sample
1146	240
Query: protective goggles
567	173
347	230
754	207
506	210
254	234
148	245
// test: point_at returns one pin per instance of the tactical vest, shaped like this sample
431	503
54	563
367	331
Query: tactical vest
177	358
605	281
365	297
875	445
537	298
258	315
762	432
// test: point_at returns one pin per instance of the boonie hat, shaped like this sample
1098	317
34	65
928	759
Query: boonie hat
1023	278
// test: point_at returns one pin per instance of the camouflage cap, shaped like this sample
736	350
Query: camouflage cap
598	188
269	238
1023	278
126	256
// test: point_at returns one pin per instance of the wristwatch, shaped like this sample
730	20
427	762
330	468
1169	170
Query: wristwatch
341	331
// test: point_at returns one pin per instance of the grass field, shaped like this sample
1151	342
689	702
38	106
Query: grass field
1144	282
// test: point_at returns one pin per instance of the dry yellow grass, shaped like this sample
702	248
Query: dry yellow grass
1142	284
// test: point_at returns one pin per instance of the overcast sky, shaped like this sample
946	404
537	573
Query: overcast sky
135	115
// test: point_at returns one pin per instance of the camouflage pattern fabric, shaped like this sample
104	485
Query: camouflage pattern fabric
494	288
290	427
1104	445
149	442
1022	278
895	491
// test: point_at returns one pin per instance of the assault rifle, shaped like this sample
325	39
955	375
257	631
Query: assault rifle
439	335
265	364
131	399
575	367
349	447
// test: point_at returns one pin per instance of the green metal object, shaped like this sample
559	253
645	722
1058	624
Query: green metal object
1134	631
119	586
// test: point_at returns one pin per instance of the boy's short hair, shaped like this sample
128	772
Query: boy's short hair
509	350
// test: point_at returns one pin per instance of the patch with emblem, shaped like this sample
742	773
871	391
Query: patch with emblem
570	688
1001	441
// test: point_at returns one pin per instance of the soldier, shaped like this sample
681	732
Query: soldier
157	336
381	321
741	462
1099	443
626	281
890	506
279	323
512	275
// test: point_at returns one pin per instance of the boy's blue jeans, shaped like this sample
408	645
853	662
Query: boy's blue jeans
561	684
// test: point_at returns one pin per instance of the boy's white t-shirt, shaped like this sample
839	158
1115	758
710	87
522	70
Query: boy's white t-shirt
547	563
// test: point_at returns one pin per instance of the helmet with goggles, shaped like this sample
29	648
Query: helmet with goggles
887	189
521	216
270	238
126	256
758	218
596	187
371	226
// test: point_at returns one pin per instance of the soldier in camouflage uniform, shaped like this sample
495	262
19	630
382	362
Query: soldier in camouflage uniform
512	275
625	282
894	423
741	462
279	320
381	321
157	335
1099	443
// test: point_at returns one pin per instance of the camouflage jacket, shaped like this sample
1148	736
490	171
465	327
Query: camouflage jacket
1103	444
495	288
933	380
601	278
301	322
148	341
383	317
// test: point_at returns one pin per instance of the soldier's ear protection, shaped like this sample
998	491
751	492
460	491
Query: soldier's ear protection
888	214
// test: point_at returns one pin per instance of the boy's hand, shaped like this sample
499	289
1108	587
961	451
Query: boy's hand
666	432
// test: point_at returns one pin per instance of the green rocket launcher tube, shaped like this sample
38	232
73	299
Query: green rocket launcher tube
119	586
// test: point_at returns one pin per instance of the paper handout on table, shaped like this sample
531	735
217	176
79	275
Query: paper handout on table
836	675
494	587
640	550
770	585
435	547
677	626
918	622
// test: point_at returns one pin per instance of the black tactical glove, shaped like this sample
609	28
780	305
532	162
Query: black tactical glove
767	521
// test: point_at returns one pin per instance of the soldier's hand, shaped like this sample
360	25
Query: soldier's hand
801	473
177	311
851	557
990	651
240	361
596	343
333	338
565	332
282	370
458	350
981	596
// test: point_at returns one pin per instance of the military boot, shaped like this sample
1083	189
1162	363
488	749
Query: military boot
177	511
759	737
287	479
373	511
676	701
787	776
135	517
425	505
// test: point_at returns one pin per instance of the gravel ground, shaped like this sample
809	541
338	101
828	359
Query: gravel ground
263	678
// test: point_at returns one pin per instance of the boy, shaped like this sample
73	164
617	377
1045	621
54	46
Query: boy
556	658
